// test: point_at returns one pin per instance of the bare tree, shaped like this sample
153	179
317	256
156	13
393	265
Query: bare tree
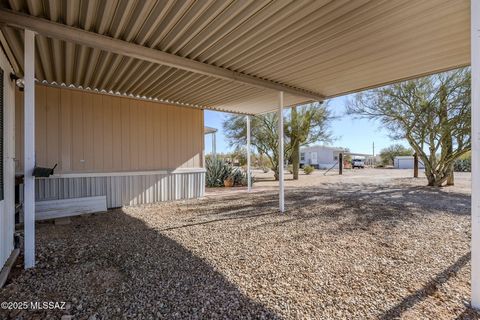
431	113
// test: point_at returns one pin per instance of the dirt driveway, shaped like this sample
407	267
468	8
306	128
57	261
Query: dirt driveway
371	244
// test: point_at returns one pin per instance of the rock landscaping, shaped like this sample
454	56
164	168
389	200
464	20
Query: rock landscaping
378	247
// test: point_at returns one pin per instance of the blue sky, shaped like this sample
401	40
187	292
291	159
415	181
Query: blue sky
355	134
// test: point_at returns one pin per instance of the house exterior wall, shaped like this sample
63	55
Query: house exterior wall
93	132
7	205
147	145
325	158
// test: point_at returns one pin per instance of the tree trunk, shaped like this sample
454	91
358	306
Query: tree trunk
437	178
434	181
275	174
275	169
451	177
415	165
446	143
295	160
295	136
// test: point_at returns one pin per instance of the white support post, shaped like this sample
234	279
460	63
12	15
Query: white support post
280	154
214	144
29	151
475	87
249	173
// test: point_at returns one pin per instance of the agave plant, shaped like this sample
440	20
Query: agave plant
239	177
218	171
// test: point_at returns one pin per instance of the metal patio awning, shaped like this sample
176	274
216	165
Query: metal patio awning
236	55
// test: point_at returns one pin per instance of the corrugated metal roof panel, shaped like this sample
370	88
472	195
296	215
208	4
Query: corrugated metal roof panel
331	47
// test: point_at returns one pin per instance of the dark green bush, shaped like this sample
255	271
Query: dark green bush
462	165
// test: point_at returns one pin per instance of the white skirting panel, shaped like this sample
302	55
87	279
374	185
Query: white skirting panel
124	190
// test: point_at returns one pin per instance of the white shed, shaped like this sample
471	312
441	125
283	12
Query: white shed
406	162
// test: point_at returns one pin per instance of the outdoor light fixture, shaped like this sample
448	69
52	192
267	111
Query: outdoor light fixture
18	81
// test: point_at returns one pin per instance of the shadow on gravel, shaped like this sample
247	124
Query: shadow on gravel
429	289
186	225
114	266
468	314
363	205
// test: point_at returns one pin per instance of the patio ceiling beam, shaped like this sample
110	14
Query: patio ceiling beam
94	40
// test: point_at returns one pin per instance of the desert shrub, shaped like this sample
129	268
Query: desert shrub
308	169
218	171
462	165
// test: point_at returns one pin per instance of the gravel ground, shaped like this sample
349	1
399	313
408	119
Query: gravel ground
371	244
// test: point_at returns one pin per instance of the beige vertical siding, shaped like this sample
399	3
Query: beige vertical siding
92	132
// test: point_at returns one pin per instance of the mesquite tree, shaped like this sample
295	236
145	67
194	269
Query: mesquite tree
432	113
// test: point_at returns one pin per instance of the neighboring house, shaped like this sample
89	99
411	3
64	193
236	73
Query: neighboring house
320	157
406	162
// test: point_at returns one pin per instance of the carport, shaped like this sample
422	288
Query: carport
247	57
